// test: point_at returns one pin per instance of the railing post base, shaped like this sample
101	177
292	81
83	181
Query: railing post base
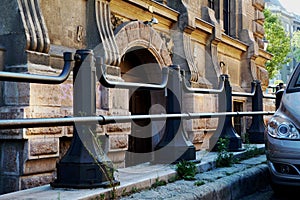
174	154
174	145
257	128
83	166
226	130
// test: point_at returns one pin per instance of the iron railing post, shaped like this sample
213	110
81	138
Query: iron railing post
226	129
174	145
257	128
82	166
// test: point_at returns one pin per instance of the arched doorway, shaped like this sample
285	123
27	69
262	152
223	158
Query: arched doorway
139	65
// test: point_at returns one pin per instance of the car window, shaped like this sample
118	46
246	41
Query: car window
297	84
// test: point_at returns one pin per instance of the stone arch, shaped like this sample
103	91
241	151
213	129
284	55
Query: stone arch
136	33
142	54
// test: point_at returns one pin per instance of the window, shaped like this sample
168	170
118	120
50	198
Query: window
226	16
211	4
214	5
297	84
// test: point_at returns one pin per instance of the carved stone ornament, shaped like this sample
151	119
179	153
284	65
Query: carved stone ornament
110	52
36	32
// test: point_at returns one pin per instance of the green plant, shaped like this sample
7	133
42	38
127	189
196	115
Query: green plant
186	170
134	190
102	196
124	192
251	150
199	183
106	166
279	43
224	158
158	183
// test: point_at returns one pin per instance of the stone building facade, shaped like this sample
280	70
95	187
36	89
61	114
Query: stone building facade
206	38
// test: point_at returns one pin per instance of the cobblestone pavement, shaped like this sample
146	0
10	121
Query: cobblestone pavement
220	183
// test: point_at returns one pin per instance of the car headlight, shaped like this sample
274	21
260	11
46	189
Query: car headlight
282	128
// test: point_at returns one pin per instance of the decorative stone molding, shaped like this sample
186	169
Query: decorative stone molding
258	3
213	70
136	33
36	32
258	29
110	52
116	21
23	33
190	58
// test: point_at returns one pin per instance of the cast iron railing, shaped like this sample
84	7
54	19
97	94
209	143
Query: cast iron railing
73	168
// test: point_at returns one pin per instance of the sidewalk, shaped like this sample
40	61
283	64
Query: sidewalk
220	183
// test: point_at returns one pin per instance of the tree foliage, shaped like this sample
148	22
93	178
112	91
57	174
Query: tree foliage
296	45
279	43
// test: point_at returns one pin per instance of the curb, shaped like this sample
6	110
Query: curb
231	187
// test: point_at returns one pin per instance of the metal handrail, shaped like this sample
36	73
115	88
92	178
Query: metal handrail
269	96
44	79
203	90
67	121
129	85
245	94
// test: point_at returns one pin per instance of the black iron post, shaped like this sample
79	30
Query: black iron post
174	145
278	97
226	129
257	128
83	166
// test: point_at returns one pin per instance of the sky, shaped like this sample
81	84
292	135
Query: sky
291	5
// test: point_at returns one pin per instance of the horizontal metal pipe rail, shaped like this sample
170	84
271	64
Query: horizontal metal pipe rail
44	79
244	94
68	121
203	90
129	85
269	96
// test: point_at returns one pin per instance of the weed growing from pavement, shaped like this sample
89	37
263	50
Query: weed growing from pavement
106	167
158	183
134	190
186	170
224	158
199	183
251	150
124	193
102	196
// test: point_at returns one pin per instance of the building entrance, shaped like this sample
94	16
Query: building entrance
139	65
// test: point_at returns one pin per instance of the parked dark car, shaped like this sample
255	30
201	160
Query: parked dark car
282	137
